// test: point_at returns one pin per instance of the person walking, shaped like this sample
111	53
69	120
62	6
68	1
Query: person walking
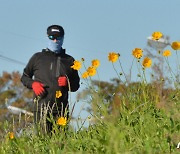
49	74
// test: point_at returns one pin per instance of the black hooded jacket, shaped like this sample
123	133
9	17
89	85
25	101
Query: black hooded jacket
46	67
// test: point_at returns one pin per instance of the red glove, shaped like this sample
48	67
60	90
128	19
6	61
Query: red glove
38	88
62	81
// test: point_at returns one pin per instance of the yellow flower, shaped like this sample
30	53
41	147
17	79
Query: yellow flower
58	94
62	121
147	62
167	53
95	63
76	65
176	45
85	75
113	57
157	35
137	53
91	71
11	135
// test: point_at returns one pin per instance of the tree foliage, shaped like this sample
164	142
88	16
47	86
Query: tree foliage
12	92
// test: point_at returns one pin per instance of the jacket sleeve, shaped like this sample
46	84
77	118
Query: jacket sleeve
27	77
74	81
74	78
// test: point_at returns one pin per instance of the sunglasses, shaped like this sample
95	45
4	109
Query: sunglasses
52	37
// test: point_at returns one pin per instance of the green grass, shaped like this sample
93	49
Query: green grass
146	130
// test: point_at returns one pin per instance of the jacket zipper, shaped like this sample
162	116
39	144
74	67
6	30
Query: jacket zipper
58	67
52	72
51	66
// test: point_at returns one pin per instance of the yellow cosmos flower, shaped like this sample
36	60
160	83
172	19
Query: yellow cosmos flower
95	63
58	94
137	53
62	121
167	53
157	35
76	65
11	135
147	62
85	75
91	71
176	45
113	57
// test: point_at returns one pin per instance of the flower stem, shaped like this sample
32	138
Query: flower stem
131	69
123	71
171	71
116	72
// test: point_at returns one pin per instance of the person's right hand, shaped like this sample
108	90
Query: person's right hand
38	88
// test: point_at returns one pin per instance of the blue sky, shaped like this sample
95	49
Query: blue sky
92	28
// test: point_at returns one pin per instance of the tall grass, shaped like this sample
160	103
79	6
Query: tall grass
145	130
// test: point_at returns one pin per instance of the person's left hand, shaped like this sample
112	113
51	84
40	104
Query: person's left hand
62	81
